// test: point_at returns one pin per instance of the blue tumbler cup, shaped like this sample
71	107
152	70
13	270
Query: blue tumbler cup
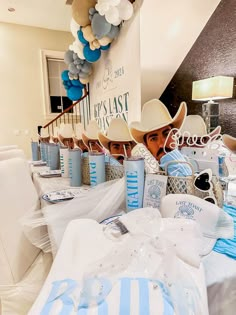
35	150
97	168
75	167
53	156
134	178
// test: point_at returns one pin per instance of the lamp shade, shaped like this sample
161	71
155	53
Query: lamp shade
214	88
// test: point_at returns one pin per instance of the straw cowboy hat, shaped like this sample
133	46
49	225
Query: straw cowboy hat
91	132
117	131
66	130
155	115
44	135
79	129
229	142
194	126
65	135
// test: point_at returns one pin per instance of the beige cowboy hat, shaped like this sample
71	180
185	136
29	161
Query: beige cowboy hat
117	131
79	129
155	115
66	131
91	132
229	142
194	126
44	135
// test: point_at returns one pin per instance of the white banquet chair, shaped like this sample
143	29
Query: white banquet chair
9	154
8	147
23	267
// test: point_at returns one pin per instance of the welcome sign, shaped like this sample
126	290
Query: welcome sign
115	86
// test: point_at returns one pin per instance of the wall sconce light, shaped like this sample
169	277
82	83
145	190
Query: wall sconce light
212	89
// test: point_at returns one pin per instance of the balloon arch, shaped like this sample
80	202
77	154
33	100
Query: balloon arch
94	25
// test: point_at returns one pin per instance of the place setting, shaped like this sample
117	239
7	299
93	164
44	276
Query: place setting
50	173
64	194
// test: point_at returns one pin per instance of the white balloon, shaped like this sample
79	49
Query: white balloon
74	27
72	47
102	8
84	80
77	47
114	2
125	9
112	16
80	49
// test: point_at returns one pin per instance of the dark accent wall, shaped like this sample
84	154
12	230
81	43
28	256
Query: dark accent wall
213	53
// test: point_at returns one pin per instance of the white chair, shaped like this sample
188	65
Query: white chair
8	147
9	154
23	267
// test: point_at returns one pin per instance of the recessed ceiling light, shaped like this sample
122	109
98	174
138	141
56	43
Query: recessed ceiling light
11	10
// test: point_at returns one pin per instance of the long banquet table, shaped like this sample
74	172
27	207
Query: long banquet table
220	270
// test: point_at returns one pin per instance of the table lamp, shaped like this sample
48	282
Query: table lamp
212	89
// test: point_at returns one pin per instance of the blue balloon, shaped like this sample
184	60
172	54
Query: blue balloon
77	83
74	93
91	55
65	75
81	37
66	86
105	47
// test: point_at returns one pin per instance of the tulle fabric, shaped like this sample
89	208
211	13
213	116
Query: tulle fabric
17	299
169	243
154	248
45	228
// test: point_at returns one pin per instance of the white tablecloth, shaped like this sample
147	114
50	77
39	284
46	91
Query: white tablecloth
220	273
46	185
220	270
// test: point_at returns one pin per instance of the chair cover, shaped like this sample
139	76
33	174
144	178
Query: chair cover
17	195
12	153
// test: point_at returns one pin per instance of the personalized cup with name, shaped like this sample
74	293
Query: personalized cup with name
97	168
134	176
43	151
35	150
64	161
75	167
53	156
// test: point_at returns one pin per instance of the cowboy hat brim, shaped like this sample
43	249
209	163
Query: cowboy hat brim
86	139
215	132
229	142
137	131
104	140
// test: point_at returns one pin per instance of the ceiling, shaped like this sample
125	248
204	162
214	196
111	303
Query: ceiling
50	14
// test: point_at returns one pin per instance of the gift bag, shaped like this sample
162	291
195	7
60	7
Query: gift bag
154	190
179	184
85	170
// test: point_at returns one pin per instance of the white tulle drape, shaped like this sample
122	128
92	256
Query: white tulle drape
45	227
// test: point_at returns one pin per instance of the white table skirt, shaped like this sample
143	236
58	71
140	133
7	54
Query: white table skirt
220	273
46	185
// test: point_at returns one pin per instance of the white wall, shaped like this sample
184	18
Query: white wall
168	30
21	103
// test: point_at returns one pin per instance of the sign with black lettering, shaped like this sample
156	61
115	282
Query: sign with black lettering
115	85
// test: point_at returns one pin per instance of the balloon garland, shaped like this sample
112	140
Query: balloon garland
94	25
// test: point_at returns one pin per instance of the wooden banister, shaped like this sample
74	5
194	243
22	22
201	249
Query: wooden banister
67	109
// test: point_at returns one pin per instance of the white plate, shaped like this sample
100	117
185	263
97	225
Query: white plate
38	163
50	173
64	194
